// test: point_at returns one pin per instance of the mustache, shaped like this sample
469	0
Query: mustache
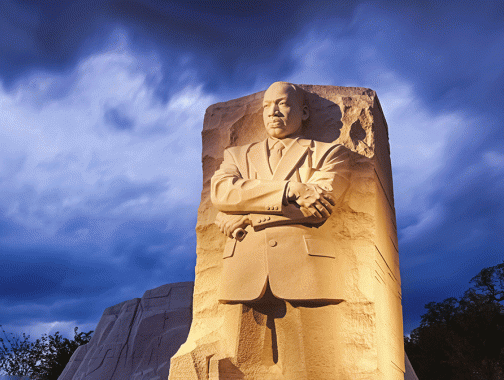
275	120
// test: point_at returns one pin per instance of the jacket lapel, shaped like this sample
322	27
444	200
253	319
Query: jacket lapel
259	160
290	159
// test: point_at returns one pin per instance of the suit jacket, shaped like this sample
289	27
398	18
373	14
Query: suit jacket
282	246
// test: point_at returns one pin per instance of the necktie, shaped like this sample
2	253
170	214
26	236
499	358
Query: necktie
275	154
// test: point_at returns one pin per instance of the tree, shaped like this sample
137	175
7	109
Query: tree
463	339
45	358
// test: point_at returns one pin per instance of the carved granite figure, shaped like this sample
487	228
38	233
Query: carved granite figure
280	191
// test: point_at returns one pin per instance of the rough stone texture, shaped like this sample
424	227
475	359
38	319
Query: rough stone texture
135	339
368	324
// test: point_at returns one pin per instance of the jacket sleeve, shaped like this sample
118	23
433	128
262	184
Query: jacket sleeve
331	172
233	194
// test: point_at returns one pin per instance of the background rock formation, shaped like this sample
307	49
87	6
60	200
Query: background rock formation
135	339
370	320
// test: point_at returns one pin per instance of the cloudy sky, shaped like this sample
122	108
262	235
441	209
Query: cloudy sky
101	109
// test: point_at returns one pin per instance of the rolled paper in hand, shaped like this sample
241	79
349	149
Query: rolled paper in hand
239	234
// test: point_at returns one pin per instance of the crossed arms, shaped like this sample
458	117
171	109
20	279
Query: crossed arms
264	203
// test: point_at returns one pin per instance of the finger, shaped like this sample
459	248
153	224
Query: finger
325	208
223	230
323	211
315	212
305	211
327	204
329	197
227	229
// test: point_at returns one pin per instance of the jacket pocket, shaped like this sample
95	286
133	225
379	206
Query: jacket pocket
229	248
318	247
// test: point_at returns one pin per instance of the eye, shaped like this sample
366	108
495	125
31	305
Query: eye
283	103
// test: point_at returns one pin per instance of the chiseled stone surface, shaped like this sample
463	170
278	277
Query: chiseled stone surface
223	340
135	339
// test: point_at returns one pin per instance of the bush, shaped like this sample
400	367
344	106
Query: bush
463	339
45	358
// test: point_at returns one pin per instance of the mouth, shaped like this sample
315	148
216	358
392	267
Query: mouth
275	122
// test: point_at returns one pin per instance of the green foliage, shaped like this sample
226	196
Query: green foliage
44	358
463	339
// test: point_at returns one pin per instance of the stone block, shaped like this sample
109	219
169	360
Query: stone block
367	325
136	339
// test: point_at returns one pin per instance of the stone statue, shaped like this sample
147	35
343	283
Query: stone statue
297	274
280	191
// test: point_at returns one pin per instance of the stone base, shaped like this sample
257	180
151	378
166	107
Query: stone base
136	339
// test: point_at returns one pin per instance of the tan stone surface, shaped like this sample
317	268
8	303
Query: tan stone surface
365	342
135	339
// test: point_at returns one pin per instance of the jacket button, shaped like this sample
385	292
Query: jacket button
272	243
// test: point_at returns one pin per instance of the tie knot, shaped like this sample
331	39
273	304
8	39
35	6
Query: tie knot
277	146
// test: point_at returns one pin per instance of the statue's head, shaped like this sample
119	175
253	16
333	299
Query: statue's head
284	110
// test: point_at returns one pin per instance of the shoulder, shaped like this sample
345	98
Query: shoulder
325	147
240	150
324	151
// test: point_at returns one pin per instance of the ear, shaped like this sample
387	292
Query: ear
305	113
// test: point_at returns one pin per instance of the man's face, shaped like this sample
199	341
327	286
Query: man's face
283	111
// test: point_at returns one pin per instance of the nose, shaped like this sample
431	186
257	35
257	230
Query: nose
273	109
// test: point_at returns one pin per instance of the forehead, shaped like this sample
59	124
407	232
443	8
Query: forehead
278	91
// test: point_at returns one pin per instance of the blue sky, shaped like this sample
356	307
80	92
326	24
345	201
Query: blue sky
102	106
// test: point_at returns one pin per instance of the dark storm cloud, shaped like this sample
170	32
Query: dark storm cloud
227	36
230	37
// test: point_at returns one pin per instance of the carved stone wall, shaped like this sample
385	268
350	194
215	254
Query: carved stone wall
369	322
135	339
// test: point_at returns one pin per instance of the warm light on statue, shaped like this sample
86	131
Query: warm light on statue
297	274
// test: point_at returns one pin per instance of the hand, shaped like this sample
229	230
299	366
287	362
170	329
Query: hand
313	199
228	223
